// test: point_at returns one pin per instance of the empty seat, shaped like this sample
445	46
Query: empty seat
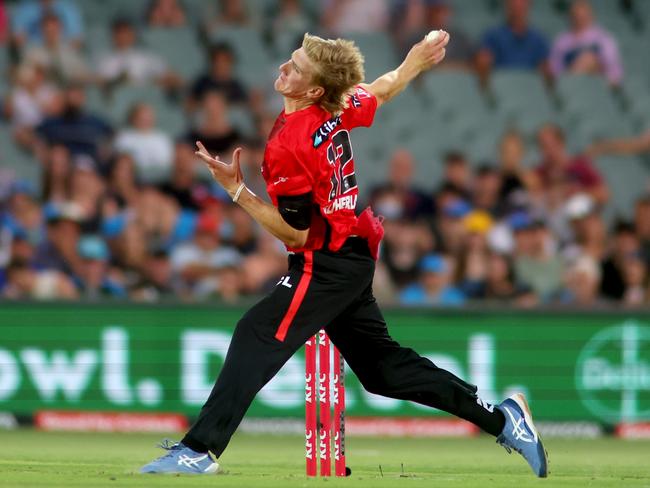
378	51
120	101
20	164
627	178
452	92
179	47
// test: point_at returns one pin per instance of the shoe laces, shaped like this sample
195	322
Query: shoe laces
508	448
169	446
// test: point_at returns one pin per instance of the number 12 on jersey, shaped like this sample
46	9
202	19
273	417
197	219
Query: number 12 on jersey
339	155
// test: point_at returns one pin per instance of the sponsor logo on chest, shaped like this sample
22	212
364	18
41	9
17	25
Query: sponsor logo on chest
323	132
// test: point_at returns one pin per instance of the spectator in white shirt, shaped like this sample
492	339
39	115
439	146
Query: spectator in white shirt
31	99
151	149
61	61
132	64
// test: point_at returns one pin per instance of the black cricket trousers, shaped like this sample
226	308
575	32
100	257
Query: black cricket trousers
331	290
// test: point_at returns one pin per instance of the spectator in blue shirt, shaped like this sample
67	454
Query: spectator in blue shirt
513	45
27	21
79	131
433	288
96	279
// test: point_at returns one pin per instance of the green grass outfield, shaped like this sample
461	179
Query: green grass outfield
37	459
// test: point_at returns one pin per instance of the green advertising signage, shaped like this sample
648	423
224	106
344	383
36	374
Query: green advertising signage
572	366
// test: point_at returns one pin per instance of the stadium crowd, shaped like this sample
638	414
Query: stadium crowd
127	211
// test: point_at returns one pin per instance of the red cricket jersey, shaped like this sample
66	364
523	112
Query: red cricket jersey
310	151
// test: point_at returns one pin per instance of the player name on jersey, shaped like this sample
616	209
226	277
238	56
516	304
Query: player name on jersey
348	202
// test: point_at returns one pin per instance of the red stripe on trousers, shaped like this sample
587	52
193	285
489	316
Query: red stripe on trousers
297	299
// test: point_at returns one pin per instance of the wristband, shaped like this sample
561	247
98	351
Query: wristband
238	192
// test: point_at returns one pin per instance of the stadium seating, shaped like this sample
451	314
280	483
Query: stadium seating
377	50
626	177
181	51
253	63
21	164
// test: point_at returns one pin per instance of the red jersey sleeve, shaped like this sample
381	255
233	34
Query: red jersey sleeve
361	109
286	175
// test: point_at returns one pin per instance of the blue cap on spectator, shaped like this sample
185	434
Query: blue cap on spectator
22	187
520	221
93	247
457	209
62	211
433	263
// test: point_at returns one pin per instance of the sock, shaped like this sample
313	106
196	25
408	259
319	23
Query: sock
194	444
481	413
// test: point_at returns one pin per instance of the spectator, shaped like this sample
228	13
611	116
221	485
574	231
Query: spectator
47	284
56	177
151	148
419	18
182	185
30	100
156	280
516	179
451	231
166	13
122	188
471	269
624	244
27	21
499	285
342	17
96	280
581	283
642	225
152	218
225	13
434	287
86	191
457	174
128	63
199	263
486	191
639	144
240	230
59	249
536	263
77	130
214	129
572	174
409	202
588	228
635	278
220	77
251	164
13	248
513	45
586	48
61	62
22	216
403	246
262	269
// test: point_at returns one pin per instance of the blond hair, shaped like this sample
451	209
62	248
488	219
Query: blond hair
338	68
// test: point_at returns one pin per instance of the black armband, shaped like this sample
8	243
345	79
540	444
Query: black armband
296	210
